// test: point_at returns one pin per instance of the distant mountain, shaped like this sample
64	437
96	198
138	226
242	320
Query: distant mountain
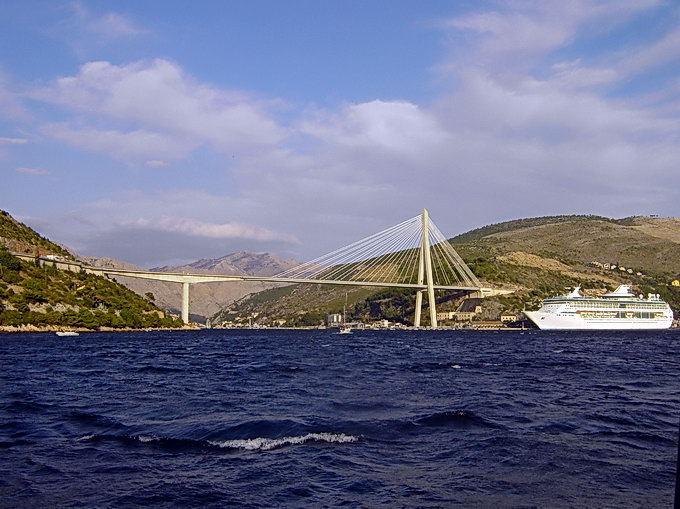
206	298
241	262
108	263
535	257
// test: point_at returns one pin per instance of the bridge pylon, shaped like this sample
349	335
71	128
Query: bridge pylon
425	274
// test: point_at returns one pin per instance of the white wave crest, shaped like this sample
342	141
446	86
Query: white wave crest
86	437
144	439
266	444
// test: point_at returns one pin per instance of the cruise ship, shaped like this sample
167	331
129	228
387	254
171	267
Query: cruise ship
620	309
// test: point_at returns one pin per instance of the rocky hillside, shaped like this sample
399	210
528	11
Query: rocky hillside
207	298
19	238
535	257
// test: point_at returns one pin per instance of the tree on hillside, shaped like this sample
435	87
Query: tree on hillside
7	261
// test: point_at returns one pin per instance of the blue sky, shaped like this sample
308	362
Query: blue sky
160	132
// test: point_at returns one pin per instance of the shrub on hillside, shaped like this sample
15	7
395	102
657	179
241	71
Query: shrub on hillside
11	317
7	261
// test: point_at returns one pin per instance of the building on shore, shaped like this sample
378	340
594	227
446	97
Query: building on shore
468	309
508	317
334	319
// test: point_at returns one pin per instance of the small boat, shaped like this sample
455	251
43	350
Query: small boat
67	333
344	328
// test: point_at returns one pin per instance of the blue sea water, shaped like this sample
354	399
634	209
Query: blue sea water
272	418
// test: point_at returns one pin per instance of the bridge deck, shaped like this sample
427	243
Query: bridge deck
213	278
177	277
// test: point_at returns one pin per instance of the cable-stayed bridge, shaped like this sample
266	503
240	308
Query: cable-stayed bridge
413	254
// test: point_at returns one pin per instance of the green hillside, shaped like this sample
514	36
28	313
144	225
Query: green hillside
44	296
297	305
518	224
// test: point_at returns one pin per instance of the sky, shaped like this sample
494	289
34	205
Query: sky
162	132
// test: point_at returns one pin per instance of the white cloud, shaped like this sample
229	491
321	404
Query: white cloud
108	25
572	75
128	146
398	127
212	230
11	106
13	141
543	109
641	59
113	24
87	31
517	35
518	32
32	171
159	99
155	163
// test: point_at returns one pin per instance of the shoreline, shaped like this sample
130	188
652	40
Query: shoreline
23	329
10	329
27	328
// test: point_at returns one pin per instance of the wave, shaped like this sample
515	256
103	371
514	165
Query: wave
555	428
141	438
249	444
14	443
426	367
359	407
24	406
457	418
92	419
173	444
266	444
614	420
158	369
633	437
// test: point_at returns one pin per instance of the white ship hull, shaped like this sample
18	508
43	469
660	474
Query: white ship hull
574	321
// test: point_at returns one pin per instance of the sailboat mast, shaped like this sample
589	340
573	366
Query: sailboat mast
344	310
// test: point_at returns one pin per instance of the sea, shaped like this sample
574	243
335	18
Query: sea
310	418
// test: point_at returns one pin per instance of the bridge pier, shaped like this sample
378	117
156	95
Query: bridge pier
419	308
185	302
